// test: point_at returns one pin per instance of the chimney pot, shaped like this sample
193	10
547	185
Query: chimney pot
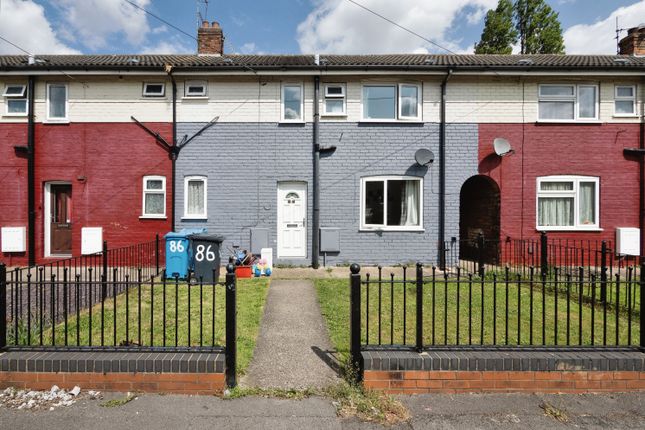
210	39
634	42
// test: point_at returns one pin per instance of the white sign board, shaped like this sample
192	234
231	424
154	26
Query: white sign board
91	240
14	239
628	241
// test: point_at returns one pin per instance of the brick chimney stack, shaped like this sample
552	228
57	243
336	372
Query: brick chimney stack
210	39
634	42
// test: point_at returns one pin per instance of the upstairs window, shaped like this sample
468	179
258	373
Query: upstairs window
567	203
56	102
392	102
16	99
195	89
391	203
292	102
625	100
154	197
154	89
334	103
568	102
195	197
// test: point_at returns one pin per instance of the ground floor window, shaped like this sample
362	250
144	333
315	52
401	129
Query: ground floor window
567	202
154	196
195	197
391	203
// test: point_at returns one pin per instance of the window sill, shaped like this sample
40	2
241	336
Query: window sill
568	121
393	229
153	217
286	121
626	115
571	229
15	115
333	115
194	218
194	98
391	121
56	122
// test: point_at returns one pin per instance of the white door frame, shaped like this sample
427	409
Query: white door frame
47	216
300	187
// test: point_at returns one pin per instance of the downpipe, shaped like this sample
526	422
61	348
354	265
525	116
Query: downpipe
31	173
315	225
442	173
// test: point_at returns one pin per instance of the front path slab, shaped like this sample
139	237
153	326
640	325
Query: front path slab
293	340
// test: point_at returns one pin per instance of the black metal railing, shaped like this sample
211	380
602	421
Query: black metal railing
423	308
119	313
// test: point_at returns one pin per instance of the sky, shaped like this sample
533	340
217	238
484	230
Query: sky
288	26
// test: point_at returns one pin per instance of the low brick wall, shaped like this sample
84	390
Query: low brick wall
478	371
180	373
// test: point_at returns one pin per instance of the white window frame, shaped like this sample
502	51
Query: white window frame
22	96
146	191
58	119
203	94
384	226
342	96
147	93
573	98
187	179
575	193
622	98
397	100
302	102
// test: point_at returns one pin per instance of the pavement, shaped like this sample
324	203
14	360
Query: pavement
293	347
463	411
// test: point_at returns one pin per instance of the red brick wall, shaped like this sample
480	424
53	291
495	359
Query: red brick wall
113	157
553	149
421	381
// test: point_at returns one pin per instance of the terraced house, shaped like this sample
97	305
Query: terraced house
368	158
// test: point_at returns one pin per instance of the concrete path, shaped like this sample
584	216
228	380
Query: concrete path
293	343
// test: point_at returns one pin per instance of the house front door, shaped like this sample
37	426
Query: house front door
60	216
292	220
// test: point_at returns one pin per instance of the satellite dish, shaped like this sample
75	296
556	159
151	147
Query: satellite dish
502	147
423	157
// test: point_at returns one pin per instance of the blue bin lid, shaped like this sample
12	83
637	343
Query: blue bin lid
184	233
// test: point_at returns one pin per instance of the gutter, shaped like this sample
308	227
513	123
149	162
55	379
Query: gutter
31	173
442	173
315	225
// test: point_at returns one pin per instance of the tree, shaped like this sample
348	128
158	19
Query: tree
532	23
499	32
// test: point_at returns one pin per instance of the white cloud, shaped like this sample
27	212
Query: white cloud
338	26
38	37
599	37
95	21
173	46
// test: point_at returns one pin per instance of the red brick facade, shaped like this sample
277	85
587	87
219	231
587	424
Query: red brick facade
553	149
104	162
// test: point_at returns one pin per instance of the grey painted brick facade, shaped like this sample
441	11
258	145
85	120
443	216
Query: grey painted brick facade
245	161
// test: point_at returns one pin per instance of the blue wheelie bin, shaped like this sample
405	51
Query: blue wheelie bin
178	253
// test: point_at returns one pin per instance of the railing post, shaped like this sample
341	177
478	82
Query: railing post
544	251
480	254
419	281
603	271
231	326
104	270
642	310
355	320
3	306
157	253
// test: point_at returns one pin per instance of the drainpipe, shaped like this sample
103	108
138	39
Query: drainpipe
315	228
442	173
31	173
174	150
641	174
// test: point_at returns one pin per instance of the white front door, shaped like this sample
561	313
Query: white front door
292	220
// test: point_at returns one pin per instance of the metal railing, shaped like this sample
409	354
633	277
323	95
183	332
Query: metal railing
119	313
424	308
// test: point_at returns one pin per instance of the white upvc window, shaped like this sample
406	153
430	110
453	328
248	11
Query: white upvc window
195	89
334	102
391	203
292	105
568	203
625	100
154	89
154	197
391	102
195	197
16	99
568	102
57	103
